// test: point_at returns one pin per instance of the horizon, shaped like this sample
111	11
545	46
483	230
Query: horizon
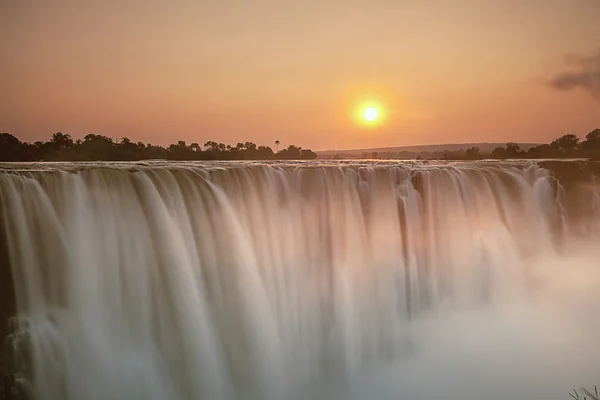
283	144
428	145
206	71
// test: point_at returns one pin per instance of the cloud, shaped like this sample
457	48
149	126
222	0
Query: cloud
583	74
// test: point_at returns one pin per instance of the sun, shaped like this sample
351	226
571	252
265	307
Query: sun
370	114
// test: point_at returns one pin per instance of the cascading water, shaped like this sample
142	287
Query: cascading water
276	282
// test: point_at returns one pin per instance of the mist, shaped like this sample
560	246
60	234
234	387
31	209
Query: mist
538	343
299	280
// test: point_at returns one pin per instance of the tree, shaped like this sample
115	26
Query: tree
95	147
195	147
99	147
11	149
180	151
126	150
211	146
307	154
153	152
566	144
292	153
499	152
277	143
512	150
264	153
61	141
541	151
592	140
472	153
60	147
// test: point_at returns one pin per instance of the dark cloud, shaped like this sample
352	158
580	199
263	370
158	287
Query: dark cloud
584	74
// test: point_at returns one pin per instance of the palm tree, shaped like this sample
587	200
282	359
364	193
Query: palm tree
277	143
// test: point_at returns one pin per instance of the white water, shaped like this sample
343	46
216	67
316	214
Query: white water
296	282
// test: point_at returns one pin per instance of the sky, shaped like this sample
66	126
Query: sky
439	71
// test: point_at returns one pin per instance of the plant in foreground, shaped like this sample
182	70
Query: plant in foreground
588	395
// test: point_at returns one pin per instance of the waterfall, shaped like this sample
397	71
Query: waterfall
261	281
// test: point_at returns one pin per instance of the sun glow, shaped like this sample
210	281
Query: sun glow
369	107
370	114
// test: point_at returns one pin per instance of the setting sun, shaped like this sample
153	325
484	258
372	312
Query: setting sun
370	114
370	107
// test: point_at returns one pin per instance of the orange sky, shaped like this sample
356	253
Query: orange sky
445	71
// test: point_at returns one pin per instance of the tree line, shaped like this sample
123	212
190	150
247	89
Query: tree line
62	147
566	146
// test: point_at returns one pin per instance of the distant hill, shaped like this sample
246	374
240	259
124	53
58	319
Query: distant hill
415	151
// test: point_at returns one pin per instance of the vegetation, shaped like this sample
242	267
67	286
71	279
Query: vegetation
566	146
62	147
588	395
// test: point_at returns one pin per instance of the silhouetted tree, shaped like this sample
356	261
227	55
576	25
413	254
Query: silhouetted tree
277	143
566	144
307	154
499	152
99	147
195	147
60	147
11	149
592	141
127	150
472	153
291	153
181	151
265	153
513	150
61	141
542	151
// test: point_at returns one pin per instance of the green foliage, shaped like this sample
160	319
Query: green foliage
62	147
